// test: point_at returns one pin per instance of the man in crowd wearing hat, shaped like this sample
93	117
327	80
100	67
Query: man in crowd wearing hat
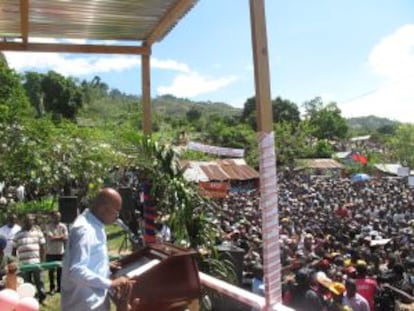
337	289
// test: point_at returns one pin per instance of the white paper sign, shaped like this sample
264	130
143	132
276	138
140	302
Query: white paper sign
403	171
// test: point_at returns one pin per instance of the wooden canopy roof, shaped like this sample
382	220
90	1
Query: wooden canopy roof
135	23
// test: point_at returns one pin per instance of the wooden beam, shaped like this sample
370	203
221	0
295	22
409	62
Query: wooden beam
268	176
24	19
73	48
261	67
146	94
169	20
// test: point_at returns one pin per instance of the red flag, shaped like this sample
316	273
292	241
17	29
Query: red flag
359	158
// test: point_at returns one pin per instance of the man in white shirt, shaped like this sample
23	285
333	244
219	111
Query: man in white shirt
20	192
9	230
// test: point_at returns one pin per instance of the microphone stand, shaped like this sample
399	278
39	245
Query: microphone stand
134	239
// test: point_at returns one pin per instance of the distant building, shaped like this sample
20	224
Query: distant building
219	177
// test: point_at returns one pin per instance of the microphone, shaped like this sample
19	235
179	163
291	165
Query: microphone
132	236
120	223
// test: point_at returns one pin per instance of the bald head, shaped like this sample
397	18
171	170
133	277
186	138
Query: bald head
107	205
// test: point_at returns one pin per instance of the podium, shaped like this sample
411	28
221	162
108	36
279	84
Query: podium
166	277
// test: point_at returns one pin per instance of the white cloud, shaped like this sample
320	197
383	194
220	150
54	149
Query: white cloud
392	59
169	64
192	84
73	66
84	65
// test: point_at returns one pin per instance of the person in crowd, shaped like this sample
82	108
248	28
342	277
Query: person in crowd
29	247
163	233
86	283
366	286
4	259
21	192
353	299
9	230
56	236
302	295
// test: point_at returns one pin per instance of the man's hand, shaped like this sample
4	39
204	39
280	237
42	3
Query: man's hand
121	292
114	266
120	282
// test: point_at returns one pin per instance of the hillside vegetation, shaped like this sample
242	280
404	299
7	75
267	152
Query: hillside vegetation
62	129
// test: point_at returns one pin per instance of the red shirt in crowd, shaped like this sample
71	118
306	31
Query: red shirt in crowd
367	288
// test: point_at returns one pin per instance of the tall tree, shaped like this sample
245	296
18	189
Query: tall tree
33	86
326	121
62	96
285	111
3	60
13	100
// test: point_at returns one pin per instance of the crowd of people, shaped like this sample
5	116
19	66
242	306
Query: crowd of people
344	245
357	234
30	244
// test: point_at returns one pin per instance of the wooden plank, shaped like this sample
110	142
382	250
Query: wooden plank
146	93
73	48
24	19
268	180
169	20
261	67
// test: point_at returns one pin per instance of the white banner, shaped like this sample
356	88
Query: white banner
230	152
403	171
411	181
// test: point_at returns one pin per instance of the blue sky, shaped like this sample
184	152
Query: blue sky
359	54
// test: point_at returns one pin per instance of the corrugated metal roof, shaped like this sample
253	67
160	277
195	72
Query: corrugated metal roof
318	164
238	170
214	172
126	20
389	168
230	169
193	172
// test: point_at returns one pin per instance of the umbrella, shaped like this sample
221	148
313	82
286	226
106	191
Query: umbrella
360	177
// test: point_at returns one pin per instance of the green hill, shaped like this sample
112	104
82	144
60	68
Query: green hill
370	123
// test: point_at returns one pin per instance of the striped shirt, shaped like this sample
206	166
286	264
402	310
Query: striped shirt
27	244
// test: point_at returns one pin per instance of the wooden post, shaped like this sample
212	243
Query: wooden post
268	185
146	93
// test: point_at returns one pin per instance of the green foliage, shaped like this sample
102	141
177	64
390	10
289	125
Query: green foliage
282	110
33	87
291	141
193	115
174	196
13	101
402	145
53	156
285	111
370	123
62	97
3	60
326	121
322	149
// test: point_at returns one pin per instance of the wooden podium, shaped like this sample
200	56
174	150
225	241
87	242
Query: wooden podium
166	277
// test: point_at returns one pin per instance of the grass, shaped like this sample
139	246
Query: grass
115	241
